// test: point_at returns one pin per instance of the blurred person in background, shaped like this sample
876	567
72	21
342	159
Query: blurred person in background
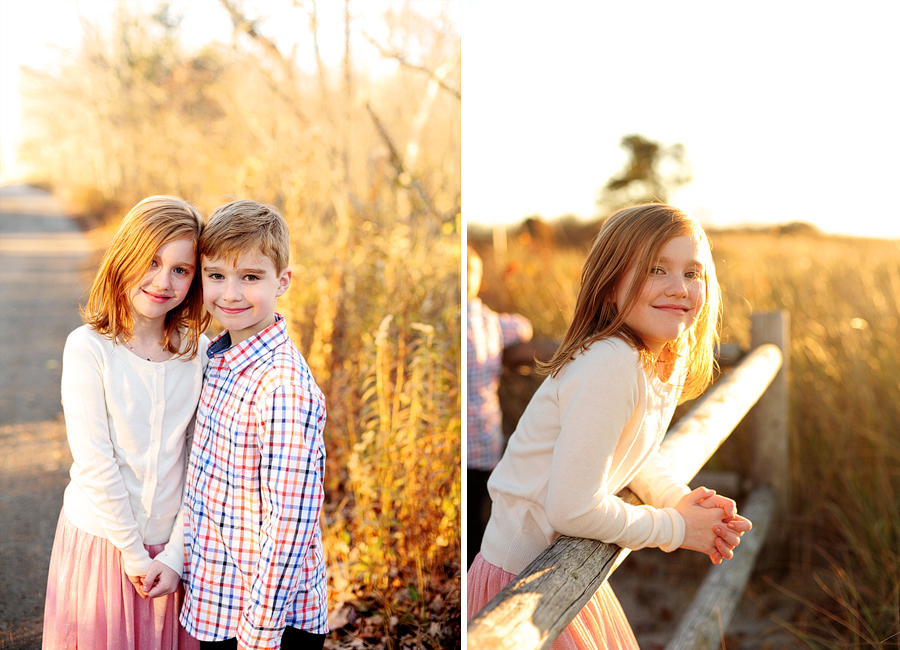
487	334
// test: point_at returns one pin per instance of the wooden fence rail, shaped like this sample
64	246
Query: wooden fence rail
531	611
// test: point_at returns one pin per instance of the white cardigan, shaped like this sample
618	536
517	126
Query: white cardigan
129	422
588	432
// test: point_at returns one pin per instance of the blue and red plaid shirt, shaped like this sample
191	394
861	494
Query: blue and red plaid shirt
487	333
254	561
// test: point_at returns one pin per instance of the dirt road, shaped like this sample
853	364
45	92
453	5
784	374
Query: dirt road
44	260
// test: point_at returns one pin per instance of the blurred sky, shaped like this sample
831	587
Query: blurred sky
42	33
788	110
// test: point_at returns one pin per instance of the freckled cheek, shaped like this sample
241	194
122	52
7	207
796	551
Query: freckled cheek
184	282
698	296
147	279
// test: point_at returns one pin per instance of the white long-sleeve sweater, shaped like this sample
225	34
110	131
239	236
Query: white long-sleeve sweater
588	432
129	423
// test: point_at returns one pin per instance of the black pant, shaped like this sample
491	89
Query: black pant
293	639
478	503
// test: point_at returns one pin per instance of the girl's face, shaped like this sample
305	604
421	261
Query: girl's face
166	283
672	296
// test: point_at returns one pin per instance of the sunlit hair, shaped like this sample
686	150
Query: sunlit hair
155	221
245	226
635	237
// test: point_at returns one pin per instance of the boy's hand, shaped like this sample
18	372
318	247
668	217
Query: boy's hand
160	580
138	582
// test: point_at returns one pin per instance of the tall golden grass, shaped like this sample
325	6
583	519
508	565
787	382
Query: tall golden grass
843	296
390	371
366	169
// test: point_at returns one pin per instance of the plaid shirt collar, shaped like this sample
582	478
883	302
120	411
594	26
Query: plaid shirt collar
239	356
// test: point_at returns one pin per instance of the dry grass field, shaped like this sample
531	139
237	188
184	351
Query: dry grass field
365	167
843	295
387	357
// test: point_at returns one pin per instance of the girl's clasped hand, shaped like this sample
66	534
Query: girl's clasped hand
159	581
712	524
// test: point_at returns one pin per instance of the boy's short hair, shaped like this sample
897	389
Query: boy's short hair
242	226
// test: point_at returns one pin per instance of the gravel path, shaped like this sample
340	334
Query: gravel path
44	260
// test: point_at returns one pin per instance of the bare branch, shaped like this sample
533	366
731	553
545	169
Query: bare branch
242	24
405	179
437	77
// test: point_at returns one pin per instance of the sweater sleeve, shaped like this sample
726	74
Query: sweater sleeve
95	468
597	403
173	554
655	483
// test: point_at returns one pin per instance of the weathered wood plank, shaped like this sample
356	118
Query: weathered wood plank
532	610
769	423
695	438
718	596
535	607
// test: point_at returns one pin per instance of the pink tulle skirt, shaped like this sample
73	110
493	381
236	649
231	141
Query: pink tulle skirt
600	625
92	604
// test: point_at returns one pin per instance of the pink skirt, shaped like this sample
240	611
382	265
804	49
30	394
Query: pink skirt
92	604
600	625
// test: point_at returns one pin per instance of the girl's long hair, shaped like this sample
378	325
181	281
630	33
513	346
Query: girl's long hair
635	236
155	221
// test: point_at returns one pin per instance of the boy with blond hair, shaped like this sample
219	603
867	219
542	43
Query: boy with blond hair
254	566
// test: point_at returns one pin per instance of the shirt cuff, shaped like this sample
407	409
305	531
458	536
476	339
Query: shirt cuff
677	530
135	564
173	557
254	638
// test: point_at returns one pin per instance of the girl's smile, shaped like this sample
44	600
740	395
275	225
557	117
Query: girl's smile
671	297
157	297
673	309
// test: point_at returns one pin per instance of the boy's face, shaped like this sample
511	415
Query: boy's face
241	295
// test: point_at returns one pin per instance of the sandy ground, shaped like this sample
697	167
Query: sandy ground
656	590
44	268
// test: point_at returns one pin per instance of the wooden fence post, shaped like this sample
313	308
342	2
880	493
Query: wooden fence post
719	594
769	427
